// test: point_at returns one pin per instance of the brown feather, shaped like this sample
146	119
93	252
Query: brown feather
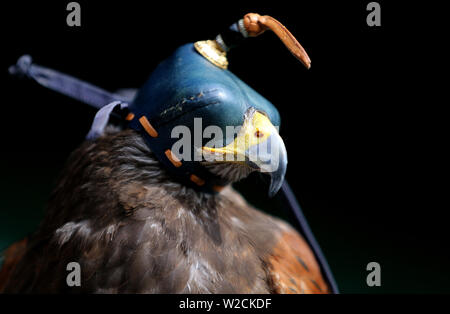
11	256
133	229
293	267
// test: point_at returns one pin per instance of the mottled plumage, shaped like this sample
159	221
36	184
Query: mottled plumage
135	230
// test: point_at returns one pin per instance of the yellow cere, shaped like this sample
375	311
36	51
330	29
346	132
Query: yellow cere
253	132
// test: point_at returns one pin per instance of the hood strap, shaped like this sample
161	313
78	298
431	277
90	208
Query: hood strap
64	84
102	118
288	200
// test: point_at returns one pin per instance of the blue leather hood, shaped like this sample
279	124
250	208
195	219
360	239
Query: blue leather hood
187	86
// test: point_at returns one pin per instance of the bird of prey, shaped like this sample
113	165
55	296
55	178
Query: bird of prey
139	219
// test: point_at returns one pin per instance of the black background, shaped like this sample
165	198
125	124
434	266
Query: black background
356	125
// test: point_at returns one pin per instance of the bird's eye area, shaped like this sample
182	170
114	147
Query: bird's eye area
258	133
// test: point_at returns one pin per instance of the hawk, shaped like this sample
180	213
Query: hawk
140	217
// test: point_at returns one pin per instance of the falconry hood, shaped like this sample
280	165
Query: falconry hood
193	91
188	106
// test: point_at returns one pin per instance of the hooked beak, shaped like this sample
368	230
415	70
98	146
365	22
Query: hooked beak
270	157
259	146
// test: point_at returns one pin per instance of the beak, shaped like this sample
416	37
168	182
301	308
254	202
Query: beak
259	146
270	157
